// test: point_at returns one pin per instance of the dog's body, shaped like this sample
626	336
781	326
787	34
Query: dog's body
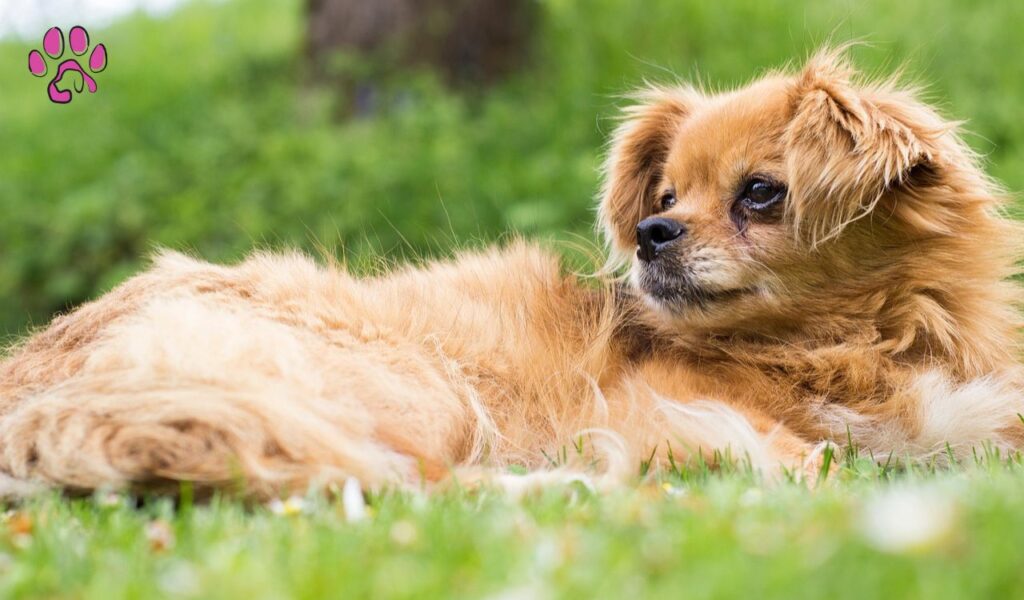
765	316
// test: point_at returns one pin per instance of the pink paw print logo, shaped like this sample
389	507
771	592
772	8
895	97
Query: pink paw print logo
69	74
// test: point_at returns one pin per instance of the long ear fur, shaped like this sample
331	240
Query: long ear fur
849	144
638	150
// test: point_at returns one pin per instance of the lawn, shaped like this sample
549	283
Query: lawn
868	533
207	134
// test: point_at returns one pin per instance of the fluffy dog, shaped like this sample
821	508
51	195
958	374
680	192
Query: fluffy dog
812	258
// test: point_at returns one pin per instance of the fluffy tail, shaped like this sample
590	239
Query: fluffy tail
188	391
108	431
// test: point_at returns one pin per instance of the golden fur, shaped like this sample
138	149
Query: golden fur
875	305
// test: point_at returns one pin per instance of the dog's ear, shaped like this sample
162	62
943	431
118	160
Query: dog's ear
636	156
849	144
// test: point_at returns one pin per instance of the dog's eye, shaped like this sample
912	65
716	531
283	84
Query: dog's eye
667	200
761	194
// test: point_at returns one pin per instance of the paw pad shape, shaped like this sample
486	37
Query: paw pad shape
69	73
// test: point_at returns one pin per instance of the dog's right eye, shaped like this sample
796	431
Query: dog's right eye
762	194
667	201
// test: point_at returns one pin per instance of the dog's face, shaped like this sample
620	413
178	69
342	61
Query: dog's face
757	207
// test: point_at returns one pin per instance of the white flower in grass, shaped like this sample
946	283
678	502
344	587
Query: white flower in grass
673	491
159	535
404	533
294	505
419	502
751	497
179	578
109	499
352	500
902	520
548	554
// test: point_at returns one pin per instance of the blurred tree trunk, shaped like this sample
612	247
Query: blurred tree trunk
468	42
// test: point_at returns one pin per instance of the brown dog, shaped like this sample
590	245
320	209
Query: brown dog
812	259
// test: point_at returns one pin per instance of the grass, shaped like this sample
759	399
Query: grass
868	531
206	135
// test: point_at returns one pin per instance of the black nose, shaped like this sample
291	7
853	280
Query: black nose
653	234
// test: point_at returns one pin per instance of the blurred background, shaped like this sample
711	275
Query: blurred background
399	128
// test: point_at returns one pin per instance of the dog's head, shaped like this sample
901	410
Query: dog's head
796	197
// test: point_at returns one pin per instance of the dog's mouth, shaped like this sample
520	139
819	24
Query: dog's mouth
690	295
677	291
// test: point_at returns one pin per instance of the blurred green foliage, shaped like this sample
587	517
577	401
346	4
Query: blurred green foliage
207	135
